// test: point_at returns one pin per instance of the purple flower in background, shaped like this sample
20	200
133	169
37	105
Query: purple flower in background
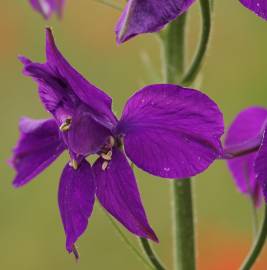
166	130
148	16
48	7
257	6
242	144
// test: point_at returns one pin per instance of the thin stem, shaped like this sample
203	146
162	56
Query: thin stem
174	49
254	215
148	250
257	246
184	225
183	218
109	4
197	62
151	255
129	244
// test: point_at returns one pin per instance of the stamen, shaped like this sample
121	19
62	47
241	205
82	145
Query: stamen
105	165
107	156
65	126
74	164
111	141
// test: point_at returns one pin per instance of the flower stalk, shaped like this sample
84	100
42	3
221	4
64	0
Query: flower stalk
258	245
151	255
191	74
183	216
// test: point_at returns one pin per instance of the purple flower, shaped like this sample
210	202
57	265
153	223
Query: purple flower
147	16
242	144
166	130
257	6
48	7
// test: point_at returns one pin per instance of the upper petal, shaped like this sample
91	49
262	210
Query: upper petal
257	6
118	193
55	93
39	145
88	93
171	131
247	126
146	16
76	197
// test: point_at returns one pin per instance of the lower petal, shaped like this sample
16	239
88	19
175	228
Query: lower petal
118	193
76	197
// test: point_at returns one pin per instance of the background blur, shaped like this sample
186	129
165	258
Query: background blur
31	234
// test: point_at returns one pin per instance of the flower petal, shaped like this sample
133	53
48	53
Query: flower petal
246	126
118	193
259	7
147	16
47	7
55	94
170	131
76	198
39	145
260	166
86	136
88	93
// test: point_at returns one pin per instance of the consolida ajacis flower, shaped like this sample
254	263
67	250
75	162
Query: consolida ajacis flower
166	130
245	149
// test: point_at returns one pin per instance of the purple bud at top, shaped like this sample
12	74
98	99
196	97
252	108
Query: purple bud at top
148	16
48	7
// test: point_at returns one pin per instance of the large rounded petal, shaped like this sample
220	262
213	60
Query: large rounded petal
76	197
39	145
259	7
118	193
170	131
147	16
247	126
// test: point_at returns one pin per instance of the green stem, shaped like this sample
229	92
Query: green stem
174	48
183	218
254	217
109	4
151	254
257	246
197	62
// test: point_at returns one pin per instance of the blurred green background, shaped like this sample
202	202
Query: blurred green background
234	75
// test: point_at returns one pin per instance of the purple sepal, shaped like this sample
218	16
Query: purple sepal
247	125
118	193
170	131
39	145
76	198
259	7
